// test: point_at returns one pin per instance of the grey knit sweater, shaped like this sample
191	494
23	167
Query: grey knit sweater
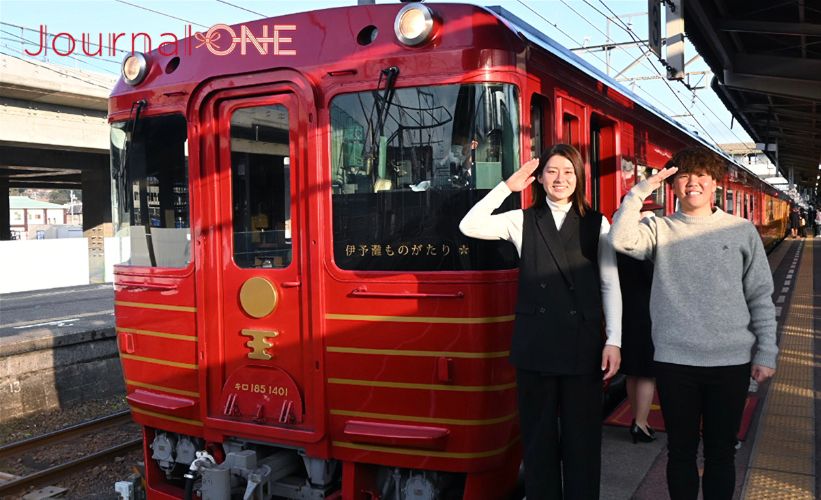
711	300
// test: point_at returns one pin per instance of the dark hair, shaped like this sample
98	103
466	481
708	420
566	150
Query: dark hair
572	154
695	160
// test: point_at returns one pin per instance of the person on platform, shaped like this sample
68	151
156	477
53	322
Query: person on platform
818	222
635	279
567	276
710	304
795	222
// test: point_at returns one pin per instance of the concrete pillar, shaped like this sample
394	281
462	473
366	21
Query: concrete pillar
96	187
5	217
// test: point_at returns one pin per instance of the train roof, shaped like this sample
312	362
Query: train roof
535	36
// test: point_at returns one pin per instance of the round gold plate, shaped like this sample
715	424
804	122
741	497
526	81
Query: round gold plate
258	297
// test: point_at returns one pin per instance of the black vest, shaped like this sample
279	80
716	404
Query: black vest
558	326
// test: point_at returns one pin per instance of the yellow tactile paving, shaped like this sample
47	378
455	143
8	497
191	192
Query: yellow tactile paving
789	428
774	485
782	465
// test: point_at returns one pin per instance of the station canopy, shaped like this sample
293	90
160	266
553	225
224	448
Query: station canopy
766	58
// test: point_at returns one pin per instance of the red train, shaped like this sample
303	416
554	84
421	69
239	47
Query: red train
298	315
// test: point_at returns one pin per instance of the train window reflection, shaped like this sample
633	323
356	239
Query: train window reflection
406	167
261	186
149	166
658	196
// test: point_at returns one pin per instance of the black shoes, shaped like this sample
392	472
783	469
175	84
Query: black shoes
640	436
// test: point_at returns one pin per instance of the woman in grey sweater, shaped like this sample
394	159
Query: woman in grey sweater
710	305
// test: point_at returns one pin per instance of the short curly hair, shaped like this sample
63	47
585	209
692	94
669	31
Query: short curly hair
697	159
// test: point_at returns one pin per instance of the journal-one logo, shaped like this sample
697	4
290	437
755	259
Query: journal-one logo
220	40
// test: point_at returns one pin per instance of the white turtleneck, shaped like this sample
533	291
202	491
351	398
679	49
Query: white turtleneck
480	223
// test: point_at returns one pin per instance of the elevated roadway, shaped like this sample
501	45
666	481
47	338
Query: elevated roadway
54	134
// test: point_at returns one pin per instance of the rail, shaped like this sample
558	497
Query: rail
38	478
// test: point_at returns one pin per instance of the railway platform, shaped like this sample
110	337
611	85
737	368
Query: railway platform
777	459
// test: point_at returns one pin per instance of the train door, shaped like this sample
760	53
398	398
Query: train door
572	127
260	355
603	164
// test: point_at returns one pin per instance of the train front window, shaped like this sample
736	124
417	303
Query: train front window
149	169
261	186
406	168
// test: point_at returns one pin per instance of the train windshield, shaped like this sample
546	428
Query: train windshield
407	167
149	168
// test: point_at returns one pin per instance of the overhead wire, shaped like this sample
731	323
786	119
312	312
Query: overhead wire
25	28
161	13
12	49
664	105
607	38
630	33
103	59
48	68
242	8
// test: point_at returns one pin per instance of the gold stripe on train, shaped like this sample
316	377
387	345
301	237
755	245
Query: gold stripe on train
162	307
402	352
424	420
174	336
423	319
425	453
162	388
156	361
428	387
166	417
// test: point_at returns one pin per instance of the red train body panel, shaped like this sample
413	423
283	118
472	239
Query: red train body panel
266	329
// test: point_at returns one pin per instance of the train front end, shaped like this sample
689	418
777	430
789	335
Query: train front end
298	315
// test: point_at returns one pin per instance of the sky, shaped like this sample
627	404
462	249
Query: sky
573	23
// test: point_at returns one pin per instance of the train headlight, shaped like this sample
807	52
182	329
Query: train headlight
135	67
414	24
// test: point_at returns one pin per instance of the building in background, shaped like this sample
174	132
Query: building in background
35	219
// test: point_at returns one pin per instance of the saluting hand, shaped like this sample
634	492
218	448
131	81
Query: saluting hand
523	177
655	181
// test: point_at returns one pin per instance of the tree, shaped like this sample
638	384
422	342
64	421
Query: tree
59	196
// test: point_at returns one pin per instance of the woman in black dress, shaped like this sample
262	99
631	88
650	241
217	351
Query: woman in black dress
795	222
635	279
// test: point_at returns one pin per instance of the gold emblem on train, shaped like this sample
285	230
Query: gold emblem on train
259	344
258	297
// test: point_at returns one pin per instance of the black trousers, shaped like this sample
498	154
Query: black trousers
561	434
711	398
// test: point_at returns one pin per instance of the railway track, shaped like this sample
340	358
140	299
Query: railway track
48	475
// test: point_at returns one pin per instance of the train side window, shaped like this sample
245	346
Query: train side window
719	198
261	186
538	111
770	210
730	201
405	172
149	166
571	133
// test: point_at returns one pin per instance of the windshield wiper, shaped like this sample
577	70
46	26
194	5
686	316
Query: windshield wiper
122	169
382	105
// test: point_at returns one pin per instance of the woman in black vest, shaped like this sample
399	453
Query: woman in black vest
567	275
